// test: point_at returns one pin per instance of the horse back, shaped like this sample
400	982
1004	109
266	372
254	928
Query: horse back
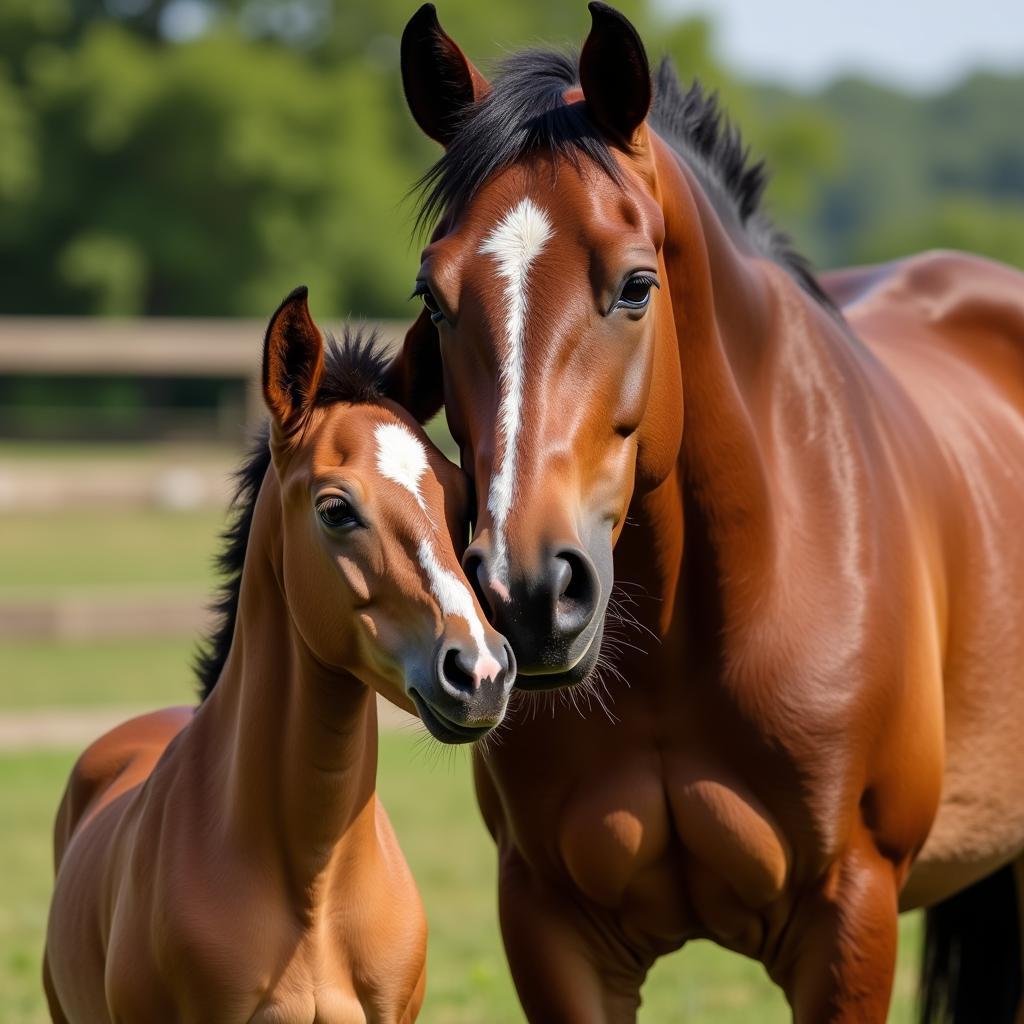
967	303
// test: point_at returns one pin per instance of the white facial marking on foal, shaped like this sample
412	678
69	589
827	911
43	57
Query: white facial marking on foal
515	243
454	598
401	457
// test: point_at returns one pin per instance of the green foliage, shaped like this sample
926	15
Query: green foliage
210	176
958	222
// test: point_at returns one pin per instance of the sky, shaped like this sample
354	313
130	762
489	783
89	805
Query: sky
919	45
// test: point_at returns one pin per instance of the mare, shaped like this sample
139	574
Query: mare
233	862
812	489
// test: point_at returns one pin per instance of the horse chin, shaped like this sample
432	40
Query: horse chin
442	728
556	679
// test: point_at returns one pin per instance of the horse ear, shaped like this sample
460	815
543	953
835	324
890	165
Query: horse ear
614	74
414	379
293	359
439	80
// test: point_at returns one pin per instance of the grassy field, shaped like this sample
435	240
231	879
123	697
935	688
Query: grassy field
430	803
98	547
127	673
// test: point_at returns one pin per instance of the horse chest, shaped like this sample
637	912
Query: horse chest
680	850
612	832
328	1006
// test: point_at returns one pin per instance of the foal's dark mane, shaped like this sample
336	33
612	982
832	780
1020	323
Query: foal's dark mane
525	113
353	372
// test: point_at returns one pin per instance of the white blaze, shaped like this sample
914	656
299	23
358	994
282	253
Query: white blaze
515	243
454	599
401	457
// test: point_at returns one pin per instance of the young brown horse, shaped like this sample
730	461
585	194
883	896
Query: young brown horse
234	863
828	544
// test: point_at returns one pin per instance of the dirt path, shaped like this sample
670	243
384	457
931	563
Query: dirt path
74	728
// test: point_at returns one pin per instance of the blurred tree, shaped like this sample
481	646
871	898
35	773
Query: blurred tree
204	156
994	229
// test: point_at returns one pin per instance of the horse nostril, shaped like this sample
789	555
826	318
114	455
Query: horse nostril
577	588
454	674
476	572
510	663
563	577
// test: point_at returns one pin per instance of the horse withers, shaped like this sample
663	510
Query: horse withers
812	489
233	862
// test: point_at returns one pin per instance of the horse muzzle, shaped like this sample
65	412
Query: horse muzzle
552	617
467	691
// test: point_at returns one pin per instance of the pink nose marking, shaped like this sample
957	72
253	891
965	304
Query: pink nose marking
500	590
486	667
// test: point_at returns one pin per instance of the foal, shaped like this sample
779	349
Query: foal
233	863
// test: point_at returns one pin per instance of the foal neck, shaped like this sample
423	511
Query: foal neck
295	741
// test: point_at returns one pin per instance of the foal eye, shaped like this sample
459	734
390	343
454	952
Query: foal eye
336	513
636	292
422	289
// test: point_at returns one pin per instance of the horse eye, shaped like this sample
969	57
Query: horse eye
424	292
336	513
636	292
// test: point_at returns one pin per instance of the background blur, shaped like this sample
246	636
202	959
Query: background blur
169	169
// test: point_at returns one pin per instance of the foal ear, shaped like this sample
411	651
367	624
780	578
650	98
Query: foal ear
614	74
439	80
293	358
414	378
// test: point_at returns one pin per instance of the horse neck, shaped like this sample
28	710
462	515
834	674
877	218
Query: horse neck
294	744
737	320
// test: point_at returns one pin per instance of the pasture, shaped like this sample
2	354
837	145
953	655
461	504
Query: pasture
426	788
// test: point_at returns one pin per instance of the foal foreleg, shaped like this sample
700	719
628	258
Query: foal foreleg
839	954
564	970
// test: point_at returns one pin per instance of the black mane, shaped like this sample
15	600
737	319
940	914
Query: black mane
353	372
525	113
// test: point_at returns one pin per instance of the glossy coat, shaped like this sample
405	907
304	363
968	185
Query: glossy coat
815	517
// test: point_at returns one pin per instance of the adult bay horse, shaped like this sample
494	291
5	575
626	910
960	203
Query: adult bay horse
233	863
817	486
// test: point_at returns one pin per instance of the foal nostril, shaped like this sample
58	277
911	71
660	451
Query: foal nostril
454	673
577	589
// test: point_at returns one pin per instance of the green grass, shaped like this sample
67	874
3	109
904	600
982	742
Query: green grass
30	787
134	452
92	547
130	672
431	805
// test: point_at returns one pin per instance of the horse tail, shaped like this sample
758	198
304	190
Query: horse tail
971	964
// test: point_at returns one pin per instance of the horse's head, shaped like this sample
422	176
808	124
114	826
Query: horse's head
542	286
369	511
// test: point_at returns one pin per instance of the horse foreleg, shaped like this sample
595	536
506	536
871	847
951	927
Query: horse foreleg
565	970
839	954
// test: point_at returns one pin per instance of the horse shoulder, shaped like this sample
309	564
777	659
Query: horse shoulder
113	764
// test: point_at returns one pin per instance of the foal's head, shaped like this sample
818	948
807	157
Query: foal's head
542	286
369	510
